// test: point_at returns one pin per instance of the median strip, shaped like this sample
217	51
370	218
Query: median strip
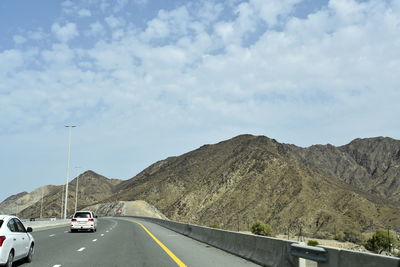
172	255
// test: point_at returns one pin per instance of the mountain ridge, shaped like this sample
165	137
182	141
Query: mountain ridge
246	178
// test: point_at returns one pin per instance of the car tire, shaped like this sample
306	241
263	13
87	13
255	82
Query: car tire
30	254
10	259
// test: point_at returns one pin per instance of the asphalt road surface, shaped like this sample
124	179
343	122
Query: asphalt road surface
125	242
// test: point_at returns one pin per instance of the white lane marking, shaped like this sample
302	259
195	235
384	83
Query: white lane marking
102	234
106	231
94	240
57	265
81	249
52	235
65	232
173	235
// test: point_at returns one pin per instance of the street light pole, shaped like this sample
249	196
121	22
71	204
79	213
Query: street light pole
76	188
62	202
69	157
41	205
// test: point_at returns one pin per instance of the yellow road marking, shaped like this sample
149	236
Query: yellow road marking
175	258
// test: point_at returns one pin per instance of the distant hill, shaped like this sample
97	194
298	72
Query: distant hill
248	178
92	188
16	203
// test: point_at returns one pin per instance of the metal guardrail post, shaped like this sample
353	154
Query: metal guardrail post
317	254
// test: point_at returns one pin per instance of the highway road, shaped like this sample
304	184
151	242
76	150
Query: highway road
125	242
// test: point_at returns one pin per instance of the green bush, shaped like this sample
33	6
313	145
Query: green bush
312	243
260	228
381	241
214	226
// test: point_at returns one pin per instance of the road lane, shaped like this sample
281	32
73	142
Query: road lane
53	245
121	242
193	252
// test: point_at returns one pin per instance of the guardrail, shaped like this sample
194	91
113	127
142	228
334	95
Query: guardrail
37	224
274	252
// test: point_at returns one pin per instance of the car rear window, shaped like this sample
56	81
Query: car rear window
82	215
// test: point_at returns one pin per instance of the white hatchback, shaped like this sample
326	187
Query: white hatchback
83	220
16	242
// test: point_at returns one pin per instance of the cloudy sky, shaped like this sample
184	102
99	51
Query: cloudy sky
148	79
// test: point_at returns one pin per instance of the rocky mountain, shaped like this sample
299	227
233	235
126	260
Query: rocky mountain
371	165
236	182
16	203
321	189
92	188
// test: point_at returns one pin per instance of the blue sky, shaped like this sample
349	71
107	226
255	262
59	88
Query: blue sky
146	79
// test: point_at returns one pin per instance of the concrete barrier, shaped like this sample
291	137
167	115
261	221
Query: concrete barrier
45	223
261	250
274	252
347	258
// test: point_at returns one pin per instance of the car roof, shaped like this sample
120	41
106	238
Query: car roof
5	216
83	211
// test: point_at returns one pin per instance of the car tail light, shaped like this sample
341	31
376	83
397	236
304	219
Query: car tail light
73	220
90	220
2	238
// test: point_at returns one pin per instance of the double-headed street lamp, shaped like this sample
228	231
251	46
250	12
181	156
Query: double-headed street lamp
69	157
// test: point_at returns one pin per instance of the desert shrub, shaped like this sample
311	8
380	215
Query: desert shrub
215	226
322	235
353	236
381	241
312	243
260	228
339	236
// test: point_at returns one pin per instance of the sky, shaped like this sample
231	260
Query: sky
147	79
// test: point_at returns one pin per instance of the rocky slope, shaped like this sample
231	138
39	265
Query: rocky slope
92	188
371	165
126	208
249	178
16	203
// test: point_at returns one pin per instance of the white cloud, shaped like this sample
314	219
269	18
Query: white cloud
67	3
65	33
190	74
271	11
114	22
84	13
36	35
96	28
18	39
13	58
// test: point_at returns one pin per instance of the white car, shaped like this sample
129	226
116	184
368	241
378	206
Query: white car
83	220
16	242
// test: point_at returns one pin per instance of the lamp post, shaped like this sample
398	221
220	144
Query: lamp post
76	188
62	202
41	205
69	157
